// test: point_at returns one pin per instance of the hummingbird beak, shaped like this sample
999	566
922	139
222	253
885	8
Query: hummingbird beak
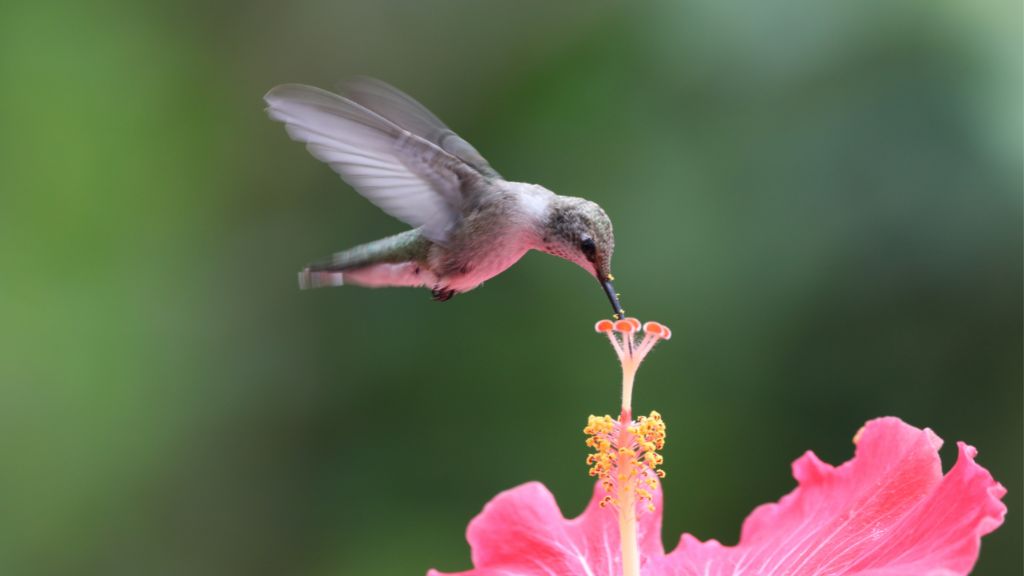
613	298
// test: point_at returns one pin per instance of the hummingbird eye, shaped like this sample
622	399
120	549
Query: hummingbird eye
588	248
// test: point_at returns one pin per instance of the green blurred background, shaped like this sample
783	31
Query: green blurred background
822	199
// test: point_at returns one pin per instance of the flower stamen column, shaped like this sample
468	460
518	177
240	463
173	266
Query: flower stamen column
626	457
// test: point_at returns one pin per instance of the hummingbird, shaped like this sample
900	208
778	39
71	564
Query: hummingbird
468	223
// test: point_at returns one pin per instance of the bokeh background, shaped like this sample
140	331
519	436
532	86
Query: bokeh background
822	199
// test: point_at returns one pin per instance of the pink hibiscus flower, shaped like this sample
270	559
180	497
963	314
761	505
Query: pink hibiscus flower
888	511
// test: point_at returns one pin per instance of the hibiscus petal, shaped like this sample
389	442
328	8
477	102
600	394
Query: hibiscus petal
522	531
887	511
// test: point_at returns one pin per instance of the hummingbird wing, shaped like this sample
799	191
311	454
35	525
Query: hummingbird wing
404	174
406	112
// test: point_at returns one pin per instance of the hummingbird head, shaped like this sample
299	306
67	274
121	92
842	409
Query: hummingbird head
578	230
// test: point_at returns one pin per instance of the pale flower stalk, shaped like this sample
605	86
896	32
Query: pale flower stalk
626	457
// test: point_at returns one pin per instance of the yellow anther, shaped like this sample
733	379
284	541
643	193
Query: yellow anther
625	456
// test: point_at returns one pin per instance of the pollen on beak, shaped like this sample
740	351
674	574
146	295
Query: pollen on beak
613	297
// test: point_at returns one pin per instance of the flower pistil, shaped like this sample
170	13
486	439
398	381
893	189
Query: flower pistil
626	459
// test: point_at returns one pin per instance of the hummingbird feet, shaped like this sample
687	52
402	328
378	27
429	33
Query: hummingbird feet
442	294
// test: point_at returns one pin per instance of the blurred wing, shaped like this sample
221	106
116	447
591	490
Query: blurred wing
405	175
407	113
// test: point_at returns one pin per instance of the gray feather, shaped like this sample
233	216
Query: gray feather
404	174
402	247
398	260
407	113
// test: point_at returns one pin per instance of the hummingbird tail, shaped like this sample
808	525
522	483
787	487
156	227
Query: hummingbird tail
372	276
309	279
392	261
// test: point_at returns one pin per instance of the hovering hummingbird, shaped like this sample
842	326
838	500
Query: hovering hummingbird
469	223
